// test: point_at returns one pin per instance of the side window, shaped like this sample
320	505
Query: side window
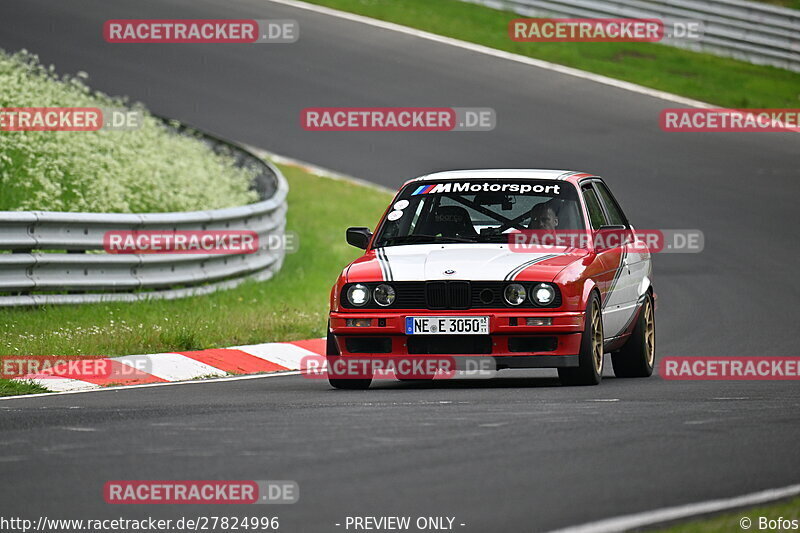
615	215
596	215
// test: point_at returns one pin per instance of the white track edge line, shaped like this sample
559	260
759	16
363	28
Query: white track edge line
150	385
570	71
668	514
316	170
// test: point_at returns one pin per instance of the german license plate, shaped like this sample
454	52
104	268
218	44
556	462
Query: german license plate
447	325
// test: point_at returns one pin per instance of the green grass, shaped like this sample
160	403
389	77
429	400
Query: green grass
794	4
729	522
721	81
150	169
293	305
15	388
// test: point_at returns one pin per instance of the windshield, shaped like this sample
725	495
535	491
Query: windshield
478	211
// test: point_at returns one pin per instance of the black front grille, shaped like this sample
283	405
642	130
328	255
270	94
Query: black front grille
443	295
449	344
459	292
447	295
410	295
436	295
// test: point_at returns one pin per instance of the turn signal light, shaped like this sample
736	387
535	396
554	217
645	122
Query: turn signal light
530	321
358	322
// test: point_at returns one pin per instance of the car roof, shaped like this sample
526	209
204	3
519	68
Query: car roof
511	174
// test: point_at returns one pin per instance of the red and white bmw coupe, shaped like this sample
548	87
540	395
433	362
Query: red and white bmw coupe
527	268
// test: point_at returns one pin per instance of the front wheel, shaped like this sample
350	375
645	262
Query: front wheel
345	383
637	357
590	360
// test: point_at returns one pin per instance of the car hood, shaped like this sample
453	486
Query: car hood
478	262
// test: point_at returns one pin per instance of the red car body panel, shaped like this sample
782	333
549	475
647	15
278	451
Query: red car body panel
576	271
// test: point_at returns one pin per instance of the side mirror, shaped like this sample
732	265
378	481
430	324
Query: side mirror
359	237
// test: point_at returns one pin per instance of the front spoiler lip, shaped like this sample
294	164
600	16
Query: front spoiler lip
537	361
563	321
501	362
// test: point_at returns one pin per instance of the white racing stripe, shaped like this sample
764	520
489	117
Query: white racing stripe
668	514
511	276
383	262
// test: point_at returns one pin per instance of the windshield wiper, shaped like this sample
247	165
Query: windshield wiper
410	239
494	237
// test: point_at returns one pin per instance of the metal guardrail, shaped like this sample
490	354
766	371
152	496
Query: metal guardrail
749	31
57	257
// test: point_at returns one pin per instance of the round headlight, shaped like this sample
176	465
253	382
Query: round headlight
543	294
384	295
358	294
514	294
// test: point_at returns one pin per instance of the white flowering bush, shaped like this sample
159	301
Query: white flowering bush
151	169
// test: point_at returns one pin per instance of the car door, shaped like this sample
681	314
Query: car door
615	281
636	258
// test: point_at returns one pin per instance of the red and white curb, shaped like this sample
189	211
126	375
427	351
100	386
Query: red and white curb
182	366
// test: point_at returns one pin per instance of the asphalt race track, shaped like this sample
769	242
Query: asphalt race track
511	454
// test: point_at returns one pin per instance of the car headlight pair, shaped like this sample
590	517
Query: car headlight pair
358	295
542	294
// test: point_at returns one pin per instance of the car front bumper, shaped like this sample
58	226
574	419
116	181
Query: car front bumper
511	342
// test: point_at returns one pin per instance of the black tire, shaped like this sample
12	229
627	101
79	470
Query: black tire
331	350
591	357
637	356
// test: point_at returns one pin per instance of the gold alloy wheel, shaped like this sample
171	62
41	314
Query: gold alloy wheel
597	339
649	332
